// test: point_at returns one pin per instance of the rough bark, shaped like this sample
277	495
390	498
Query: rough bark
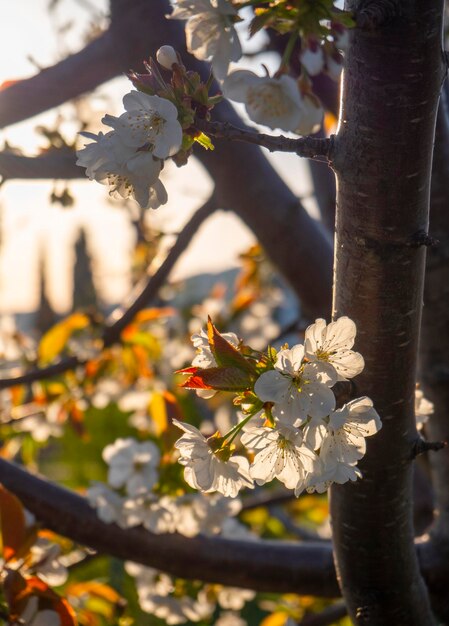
383	156
434	350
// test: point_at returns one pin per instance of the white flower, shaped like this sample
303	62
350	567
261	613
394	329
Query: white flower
132	464
204	470
298	389
210	32
228	618
155	514
312	115
108	503
342	442
31	616
127	172
45	562
274	102
234	598
167	57
331	346
312	58
149	121
282	455
423	408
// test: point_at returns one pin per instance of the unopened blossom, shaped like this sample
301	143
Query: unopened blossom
423	408
274	102
204	470
132	464
281	454
331	347
210	32
297	388
166	57
127	171
312	59
149	121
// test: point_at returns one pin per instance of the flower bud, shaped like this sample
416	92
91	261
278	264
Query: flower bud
166	56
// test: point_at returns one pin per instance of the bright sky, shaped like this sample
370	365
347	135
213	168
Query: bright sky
34	230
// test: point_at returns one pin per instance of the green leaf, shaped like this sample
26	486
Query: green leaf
205	141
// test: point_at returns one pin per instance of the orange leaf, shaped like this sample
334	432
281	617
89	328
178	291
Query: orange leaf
12	519
54	341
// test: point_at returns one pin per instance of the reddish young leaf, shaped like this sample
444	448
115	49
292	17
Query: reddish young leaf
219	378
225	354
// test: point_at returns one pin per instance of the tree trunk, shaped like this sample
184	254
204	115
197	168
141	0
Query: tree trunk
383	158
434	350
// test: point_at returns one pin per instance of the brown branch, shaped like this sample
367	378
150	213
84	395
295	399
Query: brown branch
245	181
145	295
308	147
260	565
421	446
112	334
55	164
280	566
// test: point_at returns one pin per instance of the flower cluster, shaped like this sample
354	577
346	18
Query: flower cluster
290	424
279	101
131	500
130	157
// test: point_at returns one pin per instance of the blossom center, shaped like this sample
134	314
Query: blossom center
268	99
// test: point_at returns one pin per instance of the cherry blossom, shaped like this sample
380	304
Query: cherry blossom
281	454
204	470
148	121
331	346
423	408
341	438
210	32
297	388
126	171
132	464
274	102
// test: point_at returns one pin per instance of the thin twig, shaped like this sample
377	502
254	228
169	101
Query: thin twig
309	147
421	445
112	333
